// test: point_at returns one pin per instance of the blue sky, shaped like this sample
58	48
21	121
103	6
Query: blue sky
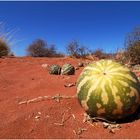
94	24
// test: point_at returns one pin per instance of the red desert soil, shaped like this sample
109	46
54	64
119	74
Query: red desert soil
23	79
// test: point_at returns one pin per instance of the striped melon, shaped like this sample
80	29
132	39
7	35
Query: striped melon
55	69
67	69
108	89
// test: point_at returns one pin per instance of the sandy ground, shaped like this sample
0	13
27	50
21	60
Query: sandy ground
44	116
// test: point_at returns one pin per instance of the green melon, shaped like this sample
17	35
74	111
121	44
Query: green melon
67	69
108	89
55	69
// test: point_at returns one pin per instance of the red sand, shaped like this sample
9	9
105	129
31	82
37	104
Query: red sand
24	79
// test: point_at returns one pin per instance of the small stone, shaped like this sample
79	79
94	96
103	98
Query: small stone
47	116
105	125
31	130
76	68
37	117
70	85
44	65
80	64
112	131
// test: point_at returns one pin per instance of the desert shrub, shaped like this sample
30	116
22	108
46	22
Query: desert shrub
6	38
51	51
100	54
4	48
11	54
133	53
83	51
39	48
59	54
120	57
74	49
132	46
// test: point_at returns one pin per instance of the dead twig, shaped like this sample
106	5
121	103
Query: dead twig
22	102
68	97
63	119
111	127
88	118
60	124
79	131
70	85
43	98
73	116
57	97
66	77
40	98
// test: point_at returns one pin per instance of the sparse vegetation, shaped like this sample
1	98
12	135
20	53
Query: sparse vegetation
4	48
83	51
99	53
5	39
39	48
133	53
132	46
120	56
76	50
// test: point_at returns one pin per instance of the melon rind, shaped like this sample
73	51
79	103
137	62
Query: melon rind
108	89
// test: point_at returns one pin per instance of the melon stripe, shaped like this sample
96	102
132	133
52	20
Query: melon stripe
67	69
